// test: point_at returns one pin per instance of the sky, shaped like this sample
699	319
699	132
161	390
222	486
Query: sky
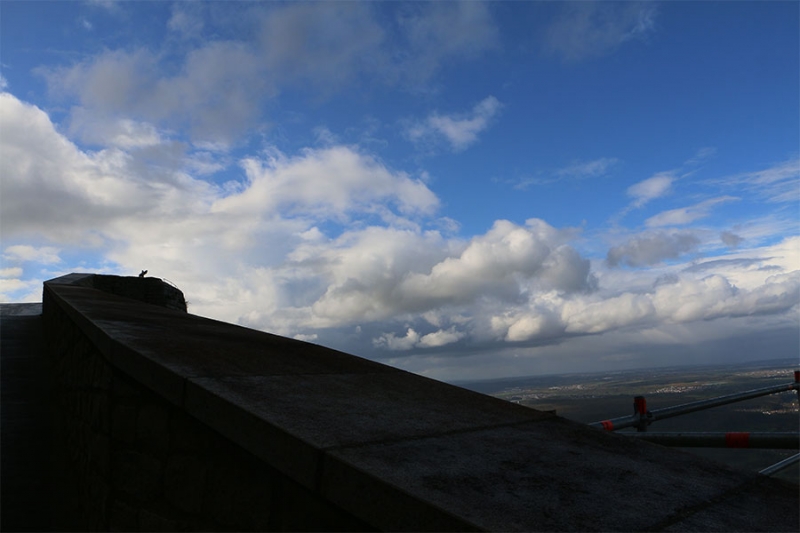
462	190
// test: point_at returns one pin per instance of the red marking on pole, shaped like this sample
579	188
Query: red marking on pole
608	425
640	405
737	439
797	376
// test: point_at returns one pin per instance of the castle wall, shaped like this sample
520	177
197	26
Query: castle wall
169	421
126	459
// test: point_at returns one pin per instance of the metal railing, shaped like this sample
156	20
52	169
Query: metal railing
780	465
642	418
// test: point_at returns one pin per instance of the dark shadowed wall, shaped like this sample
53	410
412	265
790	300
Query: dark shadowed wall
167	421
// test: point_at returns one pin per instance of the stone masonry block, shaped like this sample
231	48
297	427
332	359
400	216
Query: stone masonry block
123	423
99	454
102	373
238	491
303	510
137	474
153	521
123	517
187	434
78	440
152	428
125	389
184	482
96	500
99	407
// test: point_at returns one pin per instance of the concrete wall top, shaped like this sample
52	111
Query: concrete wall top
403	452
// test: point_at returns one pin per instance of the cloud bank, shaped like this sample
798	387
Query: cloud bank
212	156
265	251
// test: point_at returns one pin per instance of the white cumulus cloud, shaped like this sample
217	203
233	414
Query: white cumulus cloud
393	342
329	181
66	194
47	255
10	272
650	189
440	338
459	130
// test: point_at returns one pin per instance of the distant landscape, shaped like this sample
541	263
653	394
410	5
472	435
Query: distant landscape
598	396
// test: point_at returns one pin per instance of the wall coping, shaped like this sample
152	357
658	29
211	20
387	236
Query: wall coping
404	452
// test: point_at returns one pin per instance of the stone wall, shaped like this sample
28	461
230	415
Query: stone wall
169	421
125	459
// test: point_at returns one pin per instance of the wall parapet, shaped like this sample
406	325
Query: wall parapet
148	290
162	411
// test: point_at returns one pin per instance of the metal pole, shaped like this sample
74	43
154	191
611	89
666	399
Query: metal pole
668	412
780	465
768	440
614	424
641	419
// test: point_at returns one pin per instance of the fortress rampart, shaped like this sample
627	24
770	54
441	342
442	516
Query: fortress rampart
168	421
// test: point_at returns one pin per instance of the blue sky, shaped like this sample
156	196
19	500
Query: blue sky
463	190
